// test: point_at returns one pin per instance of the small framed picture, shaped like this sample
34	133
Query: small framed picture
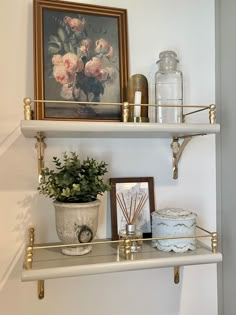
132	201
80	55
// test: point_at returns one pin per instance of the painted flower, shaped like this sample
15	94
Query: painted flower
81	65
72	63
86	47
57	59
93	67
60	74
88	43
77	25
105	74
103	47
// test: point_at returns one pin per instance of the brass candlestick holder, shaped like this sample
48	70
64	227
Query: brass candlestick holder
138	95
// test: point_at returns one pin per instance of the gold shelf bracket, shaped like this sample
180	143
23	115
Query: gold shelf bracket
40	289
177	150
176	275
40	147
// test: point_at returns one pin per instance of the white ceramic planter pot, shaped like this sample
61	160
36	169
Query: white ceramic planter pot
76	223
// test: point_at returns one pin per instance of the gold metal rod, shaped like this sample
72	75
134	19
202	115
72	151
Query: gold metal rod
75	102
121	104
188	136
76	244
204	230
196	111
118	241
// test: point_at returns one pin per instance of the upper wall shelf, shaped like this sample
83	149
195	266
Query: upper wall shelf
75	129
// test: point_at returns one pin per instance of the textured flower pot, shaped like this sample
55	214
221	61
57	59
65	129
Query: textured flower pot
76	223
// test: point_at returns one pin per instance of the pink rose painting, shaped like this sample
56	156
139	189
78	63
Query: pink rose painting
81	63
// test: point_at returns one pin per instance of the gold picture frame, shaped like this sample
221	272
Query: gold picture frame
80	55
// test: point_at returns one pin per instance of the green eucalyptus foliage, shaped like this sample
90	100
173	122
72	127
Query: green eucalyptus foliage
74	180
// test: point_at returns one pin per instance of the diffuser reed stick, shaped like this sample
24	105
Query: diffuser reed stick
135	208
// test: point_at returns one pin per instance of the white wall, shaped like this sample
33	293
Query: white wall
187	26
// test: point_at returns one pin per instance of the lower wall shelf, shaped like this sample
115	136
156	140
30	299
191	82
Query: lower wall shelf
46	261
49	263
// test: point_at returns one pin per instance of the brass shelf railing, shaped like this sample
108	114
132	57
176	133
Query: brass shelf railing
125	106
178	142
126	245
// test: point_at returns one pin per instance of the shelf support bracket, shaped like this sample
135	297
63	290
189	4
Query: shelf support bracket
177	150
176	275
40	147
40	289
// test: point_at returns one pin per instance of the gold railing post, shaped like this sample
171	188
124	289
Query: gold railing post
212	114
214	242
29	250
27	109
127	242
125	112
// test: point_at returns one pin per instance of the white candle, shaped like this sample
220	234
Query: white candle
137	100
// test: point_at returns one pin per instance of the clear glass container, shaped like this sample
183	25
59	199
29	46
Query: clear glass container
132	233
168	89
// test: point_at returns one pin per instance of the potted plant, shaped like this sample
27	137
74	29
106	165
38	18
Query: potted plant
74	185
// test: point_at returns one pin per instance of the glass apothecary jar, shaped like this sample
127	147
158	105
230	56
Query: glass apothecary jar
168	89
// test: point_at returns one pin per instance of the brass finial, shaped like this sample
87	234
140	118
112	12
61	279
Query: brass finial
125	112
27	108
212	114
214	242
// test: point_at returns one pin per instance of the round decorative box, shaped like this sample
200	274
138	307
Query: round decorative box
174	222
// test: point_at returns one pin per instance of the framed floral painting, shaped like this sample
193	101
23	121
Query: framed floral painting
80	61
132	202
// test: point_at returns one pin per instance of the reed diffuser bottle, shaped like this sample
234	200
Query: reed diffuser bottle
131	214
168	89
135	235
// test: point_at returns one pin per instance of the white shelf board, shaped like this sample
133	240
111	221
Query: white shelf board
105	258
77	129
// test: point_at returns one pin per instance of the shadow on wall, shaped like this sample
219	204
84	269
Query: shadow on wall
16	165
17	194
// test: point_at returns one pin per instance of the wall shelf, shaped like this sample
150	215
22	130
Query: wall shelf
46	261
49	263
75	129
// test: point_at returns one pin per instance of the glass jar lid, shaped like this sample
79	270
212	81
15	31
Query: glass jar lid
168	60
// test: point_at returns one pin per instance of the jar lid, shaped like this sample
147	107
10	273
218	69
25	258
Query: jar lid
168	54
174	214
